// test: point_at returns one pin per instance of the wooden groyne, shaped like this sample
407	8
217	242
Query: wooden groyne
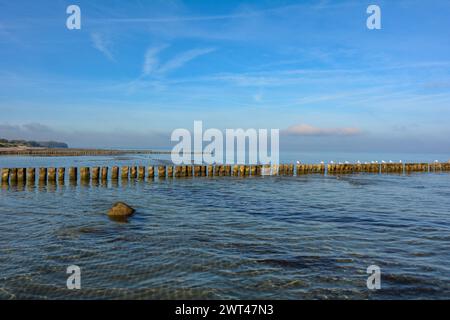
104	174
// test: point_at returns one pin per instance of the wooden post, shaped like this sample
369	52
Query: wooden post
124	173
95	173
203	171
105	174
13	175
197	170
247	170
61	175
85	174
151	172
141	173
162	172
115	173
133	173
73	174
291	169
42	175
228	170
170	171
235	170
287	169
5	175
177	171
274	169
21	175
31	176
242	170
51	175
210	170
338	168
189	171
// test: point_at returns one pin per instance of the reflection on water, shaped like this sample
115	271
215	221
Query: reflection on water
229	237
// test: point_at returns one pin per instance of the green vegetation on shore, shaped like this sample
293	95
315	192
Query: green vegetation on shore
4	143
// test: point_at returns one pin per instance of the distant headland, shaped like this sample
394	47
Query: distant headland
4	143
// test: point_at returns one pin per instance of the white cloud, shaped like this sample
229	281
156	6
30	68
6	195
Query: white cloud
101	44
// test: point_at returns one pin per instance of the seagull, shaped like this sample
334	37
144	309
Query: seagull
400	161
376	161
298	162
390	161
321	162
372	162
436	161
346	162
382	161
366	162
331	162
358	162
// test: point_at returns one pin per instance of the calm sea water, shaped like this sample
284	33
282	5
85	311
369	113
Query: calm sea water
309	237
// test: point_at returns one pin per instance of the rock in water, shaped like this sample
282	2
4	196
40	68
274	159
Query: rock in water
120	209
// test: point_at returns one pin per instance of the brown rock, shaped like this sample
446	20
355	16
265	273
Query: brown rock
120	209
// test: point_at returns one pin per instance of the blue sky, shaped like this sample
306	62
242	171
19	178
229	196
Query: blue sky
139	69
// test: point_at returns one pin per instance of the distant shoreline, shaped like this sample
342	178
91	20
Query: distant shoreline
70	152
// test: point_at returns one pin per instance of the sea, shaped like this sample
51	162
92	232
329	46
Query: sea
269	237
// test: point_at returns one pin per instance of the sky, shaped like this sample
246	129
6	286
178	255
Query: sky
137	70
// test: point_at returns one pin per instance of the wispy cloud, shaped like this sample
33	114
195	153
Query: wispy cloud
152	63
308	130
183	58
151	60
101	44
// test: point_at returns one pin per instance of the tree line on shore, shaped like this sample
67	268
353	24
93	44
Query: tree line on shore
4	143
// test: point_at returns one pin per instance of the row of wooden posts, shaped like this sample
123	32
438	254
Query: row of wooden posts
11	175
